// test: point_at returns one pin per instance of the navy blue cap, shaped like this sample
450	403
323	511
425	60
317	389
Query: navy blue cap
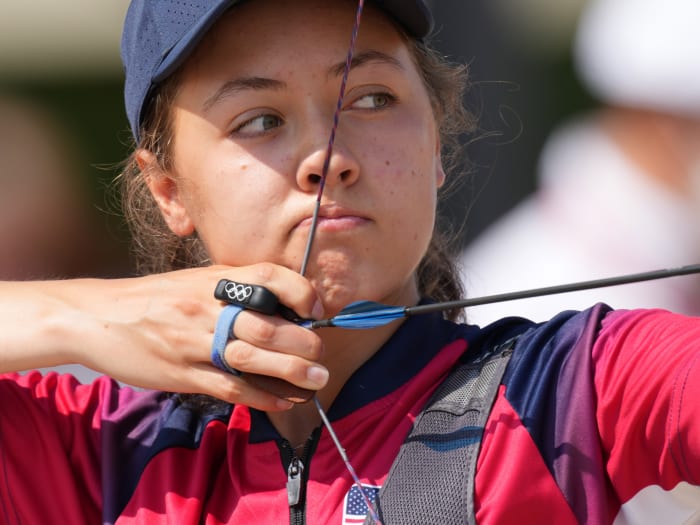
159	35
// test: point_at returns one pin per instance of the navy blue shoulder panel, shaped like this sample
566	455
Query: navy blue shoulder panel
134	434
550	385
546	359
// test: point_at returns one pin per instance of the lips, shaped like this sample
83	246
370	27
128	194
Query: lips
335	219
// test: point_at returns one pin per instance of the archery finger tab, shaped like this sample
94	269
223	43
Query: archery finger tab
289	314
279	387
249	296
254	297
223	333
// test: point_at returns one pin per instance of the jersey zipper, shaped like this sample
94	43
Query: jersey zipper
297	469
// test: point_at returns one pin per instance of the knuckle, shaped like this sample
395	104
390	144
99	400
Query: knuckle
261	330
293	368
239	354
228	390
190	307
265	271
315	348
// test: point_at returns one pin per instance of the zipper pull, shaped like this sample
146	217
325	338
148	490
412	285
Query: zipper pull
296	467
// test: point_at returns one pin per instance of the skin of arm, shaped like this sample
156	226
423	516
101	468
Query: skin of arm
155	331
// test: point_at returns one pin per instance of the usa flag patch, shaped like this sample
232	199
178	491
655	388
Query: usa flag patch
355	509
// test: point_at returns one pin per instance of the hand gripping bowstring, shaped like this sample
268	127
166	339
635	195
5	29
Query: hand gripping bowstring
312	234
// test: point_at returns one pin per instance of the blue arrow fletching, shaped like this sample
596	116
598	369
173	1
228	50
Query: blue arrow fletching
367	314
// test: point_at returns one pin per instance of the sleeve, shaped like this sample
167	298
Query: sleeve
50	439
647	379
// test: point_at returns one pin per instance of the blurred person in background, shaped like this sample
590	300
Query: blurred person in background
49	227
47	223
619	188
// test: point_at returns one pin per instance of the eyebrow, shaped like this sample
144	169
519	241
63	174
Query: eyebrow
238	85
366	57
241	84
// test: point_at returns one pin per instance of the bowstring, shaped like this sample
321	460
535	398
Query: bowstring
331	139
312	235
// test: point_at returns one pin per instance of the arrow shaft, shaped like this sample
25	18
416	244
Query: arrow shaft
551	290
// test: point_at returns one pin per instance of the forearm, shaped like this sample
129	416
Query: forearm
47	323
156	331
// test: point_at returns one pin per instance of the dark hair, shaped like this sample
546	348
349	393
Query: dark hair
157	249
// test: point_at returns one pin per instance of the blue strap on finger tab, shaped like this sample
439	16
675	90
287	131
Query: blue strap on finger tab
222	335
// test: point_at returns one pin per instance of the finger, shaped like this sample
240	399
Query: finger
222	348
247	358
277	335
237	390
279	387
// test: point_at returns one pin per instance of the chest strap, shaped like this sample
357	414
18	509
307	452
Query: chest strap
432	478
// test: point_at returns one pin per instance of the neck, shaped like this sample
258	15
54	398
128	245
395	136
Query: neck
344	352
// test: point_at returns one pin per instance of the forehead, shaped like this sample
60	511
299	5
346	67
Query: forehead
261	30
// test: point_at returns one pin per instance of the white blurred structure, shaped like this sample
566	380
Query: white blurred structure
48	36
619	189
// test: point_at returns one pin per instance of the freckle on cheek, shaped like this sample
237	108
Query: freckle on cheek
387	163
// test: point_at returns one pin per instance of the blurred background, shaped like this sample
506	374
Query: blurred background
523	84
604	177
64	133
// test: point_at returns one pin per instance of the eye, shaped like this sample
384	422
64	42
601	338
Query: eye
374	101
259	125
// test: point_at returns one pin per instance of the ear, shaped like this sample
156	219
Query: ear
439	169
166	192
439	172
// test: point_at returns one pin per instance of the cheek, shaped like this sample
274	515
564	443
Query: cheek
403	151
407	172
230	210
405	187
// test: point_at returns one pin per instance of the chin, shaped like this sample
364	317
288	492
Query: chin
340	280
335	297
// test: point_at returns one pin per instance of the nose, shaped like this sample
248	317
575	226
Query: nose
339	163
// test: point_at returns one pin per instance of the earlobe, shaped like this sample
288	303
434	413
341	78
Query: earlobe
439	171
166	192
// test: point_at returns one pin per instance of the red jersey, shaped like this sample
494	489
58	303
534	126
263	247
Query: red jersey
597	421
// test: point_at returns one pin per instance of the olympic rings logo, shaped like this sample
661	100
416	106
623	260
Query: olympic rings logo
238	292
